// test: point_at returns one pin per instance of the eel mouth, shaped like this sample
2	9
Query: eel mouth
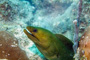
31	36
30	33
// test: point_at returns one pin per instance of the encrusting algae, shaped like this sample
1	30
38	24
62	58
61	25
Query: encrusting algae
53	47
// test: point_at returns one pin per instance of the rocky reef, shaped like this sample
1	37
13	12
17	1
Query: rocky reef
7	11
9	48
83	51
84	32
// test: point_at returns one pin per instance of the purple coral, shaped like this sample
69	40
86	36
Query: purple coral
77	24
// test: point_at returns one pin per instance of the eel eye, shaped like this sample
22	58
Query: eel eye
35	30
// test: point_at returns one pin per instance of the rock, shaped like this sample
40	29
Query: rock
9	48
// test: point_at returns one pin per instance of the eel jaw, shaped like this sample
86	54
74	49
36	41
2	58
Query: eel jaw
30	33
31	36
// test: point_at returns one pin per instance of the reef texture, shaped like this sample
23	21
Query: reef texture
9	48
85	15
6	10
83	51
10	10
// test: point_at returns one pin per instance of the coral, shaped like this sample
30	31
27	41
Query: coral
85	15
6	10
84	46
75	46
77	24
10	10
9	48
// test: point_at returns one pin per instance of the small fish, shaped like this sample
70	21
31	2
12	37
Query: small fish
52	46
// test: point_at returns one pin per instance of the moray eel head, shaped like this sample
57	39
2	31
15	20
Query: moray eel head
38	35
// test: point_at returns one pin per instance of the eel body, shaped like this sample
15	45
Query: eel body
52	46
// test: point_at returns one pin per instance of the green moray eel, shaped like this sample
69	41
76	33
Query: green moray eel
52	46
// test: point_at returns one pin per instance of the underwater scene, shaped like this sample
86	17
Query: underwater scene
44	29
